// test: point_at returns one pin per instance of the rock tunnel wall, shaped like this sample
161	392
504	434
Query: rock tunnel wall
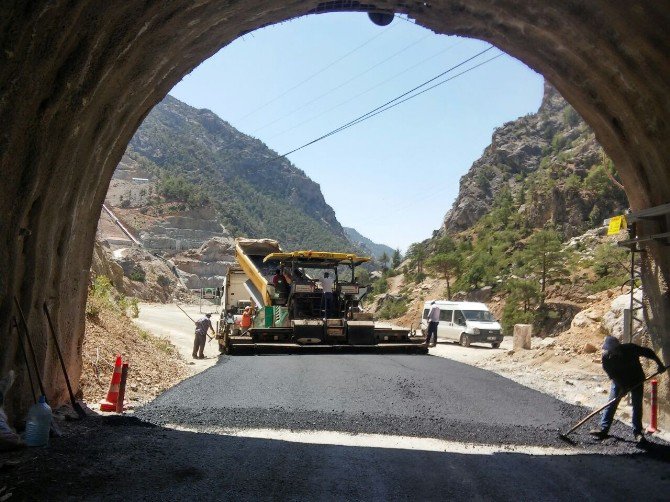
77	78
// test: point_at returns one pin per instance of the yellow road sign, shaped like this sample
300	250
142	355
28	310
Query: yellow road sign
617	223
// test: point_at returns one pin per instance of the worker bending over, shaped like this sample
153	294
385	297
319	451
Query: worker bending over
621	362
202	325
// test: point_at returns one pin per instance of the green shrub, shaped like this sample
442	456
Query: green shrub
482	181
101	286
178	189
129	303
103	296
94	306
393	309
558	142
610	264
573	182
415	277
163	281
380	286
570	116
138	275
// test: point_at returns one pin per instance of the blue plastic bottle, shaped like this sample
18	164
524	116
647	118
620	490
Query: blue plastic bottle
38	423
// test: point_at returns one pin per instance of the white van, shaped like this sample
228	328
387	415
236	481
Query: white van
464	322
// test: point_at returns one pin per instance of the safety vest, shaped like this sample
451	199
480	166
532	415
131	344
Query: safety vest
246	320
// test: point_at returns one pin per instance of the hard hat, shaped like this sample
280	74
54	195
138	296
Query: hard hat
247	308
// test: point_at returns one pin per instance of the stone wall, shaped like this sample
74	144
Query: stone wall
76	80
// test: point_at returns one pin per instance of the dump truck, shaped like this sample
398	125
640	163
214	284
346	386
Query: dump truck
289	311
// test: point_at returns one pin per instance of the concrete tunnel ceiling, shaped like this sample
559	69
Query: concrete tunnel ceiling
77	78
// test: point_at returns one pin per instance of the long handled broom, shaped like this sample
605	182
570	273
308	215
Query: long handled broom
75	405
193	321
564	435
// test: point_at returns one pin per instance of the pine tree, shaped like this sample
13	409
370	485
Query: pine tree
384	259
447	264
543	256
417	255
524	296
396	258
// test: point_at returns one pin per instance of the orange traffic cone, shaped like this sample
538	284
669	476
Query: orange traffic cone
109	404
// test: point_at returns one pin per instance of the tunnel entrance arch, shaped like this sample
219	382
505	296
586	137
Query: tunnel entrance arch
76	82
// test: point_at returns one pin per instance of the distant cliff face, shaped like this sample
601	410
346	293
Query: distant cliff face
254	194
551	164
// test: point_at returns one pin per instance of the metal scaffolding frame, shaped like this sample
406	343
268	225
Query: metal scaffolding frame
658	216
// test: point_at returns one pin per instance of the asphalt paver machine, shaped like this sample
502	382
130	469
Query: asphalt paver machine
290	310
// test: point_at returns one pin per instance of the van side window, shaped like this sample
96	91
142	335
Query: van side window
445	315
425	313
459	318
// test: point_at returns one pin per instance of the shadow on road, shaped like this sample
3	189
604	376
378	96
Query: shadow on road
125	460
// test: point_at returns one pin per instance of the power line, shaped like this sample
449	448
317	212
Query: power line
410	68
333	63
366	91
390	104
333	89
425	90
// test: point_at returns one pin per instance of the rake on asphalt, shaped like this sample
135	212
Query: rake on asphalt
564	435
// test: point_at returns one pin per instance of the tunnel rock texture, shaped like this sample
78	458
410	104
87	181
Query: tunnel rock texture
77	78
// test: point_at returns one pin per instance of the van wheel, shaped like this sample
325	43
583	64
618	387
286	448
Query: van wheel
495	345
465	340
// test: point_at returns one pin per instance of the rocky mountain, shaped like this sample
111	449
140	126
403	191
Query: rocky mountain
197	160
552	166
370	248
526	230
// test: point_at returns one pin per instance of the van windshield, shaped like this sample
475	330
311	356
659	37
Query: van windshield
479	315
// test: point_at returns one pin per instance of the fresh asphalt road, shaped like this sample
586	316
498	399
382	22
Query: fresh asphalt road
364	393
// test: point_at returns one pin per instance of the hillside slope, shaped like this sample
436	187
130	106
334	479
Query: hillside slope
372	248
198	158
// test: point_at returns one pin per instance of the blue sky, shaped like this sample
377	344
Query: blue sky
392	177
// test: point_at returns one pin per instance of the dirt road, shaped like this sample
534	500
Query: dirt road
166	320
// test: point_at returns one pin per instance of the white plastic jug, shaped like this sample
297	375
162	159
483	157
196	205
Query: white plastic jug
38	423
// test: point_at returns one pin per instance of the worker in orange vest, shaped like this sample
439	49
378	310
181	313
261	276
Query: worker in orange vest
245	323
